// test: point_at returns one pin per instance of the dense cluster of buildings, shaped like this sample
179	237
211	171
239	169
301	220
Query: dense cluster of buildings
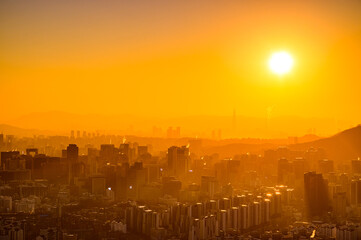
129	191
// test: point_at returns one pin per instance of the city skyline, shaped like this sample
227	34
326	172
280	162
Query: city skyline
232	126
180	120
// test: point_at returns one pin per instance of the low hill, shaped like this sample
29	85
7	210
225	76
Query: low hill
22	132
343	146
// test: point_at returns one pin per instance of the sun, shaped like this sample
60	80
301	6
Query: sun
281	62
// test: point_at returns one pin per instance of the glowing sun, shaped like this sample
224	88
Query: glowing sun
280	63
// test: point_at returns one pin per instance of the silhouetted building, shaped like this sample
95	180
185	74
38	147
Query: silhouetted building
356	192
126	152
209	186
98	185
178	160
7	158
107	153
283	168
171	186
339	204
136	178
72	153
356	166
316	194
64	153
173	133
93	155
325	166
142	150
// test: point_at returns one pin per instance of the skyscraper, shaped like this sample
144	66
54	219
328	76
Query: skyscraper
178	160
72	152
209	185
356	166
325	166
283	168
126	151
356	192
107	153
316	194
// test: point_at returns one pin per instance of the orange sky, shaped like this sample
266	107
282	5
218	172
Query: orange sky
180	58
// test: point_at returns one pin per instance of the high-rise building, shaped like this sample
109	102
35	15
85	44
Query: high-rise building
325	166
142	150
299	167
178	160
6	157
107	153
98	185
355	192
316	194
173	133
356	166
313	156
209	185
339	204
136	178
170	132
177	132
72	152
126	152
283	169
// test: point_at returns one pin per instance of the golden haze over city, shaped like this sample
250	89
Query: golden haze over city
180	63
180	120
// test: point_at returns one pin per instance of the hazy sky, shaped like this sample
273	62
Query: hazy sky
180	58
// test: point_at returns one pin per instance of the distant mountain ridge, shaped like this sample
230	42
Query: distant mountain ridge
343	146
191	126
22	132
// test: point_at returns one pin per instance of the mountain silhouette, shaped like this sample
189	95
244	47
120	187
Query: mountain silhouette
341	147
23	132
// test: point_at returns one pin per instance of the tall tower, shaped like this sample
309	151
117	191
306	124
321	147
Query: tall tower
316	194
178	160
356	192
72	153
